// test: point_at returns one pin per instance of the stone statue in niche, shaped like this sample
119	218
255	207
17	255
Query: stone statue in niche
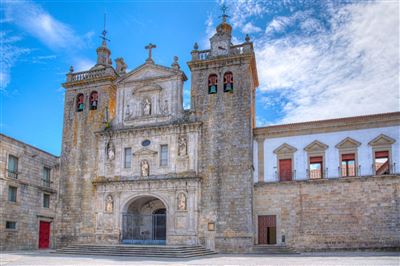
109	204
182	146
110	151
128	112
144	168
181	202
147	107
165	108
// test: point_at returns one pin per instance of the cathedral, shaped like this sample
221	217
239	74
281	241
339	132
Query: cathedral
138	168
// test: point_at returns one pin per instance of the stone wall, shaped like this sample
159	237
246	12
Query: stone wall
225	157
357	212
28	209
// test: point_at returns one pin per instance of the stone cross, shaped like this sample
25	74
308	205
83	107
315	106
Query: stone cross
150	47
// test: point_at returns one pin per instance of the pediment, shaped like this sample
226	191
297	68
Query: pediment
382	140
145	151
348	143
285	149
316	146
148	72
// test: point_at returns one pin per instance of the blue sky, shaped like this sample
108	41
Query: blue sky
316	60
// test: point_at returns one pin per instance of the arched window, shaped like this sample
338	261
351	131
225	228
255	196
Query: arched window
80	105
228	82
212	83
94	100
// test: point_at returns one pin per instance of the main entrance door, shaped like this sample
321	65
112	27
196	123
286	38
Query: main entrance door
44	234
267	229
145	222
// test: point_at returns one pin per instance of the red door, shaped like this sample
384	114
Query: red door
285	169
44	234
267	229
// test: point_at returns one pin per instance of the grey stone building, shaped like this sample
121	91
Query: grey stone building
136	168
29	183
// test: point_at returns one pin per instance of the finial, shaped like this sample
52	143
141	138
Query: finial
224	8
71	69
175	64
247	38
150	46
104	33
196	46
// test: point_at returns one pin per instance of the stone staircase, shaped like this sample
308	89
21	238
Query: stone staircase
137	250
273	250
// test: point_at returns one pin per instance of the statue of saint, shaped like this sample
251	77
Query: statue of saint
165	108
147	107
182	146
145	168
128	112
110	151
109	204
181	202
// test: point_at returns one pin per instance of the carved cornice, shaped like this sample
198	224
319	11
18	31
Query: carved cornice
331	125
155	129
173	183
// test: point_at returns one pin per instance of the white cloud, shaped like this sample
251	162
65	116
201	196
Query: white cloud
250	28
35	20
10	53
83	64
350	69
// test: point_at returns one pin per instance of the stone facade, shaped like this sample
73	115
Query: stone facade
353	212
226	143
28	210
136	168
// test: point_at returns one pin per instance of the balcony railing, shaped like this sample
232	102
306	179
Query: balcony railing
285	175
12	173
91	74
317	174
245	48
46	182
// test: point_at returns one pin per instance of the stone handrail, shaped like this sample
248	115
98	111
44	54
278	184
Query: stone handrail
244	48
91	74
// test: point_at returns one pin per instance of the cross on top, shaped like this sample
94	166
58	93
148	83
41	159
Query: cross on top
104	33
149	47
224	8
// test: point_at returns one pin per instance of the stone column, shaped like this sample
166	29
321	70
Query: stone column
260	157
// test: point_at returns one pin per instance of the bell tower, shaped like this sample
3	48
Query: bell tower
89	107
224	79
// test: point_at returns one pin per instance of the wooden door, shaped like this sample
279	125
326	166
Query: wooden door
267	229
44	234
285	169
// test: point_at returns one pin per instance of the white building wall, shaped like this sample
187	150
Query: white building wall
331	154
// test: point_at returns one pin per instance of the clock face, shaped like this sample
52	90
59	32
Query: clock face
220	48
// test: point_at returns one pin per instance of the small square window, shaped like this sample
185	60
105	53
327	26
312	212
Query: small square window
12	194
46	176
164	155
46	201
127	158
12	166
11	225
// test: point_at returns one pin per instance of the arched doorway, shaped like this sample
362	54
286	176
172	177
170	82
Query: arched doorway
144	222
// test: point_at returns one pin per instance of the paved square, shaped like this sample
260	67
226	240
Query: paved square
337	258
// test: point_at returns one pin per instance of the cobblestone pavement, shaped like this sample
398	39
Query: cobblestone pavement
337	258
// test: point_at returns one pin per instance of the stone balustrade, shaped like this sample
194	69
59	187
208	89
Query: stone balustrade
244	48
91	74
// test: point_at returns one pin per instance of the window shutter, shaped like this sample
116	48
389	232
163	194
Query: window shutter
382	154
316	159
348	157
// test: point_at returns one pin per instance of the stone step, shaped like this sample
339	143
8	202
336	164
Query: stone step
137	251
268	249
